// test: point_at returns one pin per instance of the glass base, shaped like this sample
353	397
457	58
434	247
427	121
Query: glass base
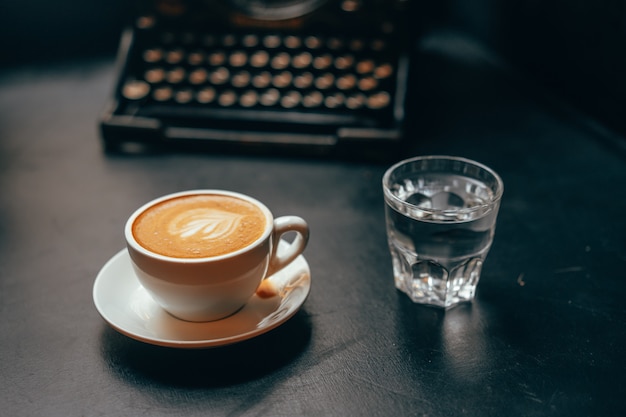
427	282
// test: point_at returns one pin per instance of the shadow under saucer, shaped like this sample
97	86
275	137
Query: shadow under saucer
138	362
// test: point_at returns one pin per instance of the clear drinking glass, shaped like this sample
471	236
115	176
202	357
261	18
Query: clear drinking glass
441	217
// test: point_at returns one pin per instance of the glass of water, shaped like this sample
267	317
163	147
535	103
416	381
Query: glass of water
441	217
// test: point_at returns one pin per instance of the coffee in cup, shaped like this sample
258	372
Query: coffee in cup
202	254
199	226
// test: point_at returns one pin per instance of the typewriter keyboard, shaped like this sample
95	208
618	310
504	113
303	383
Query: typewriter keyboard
239	71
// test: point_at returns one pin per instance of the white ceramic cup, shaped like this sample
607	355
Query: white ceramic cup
211	288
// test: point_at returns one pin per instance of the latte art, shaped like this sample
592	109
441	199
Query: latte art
199	226
205	223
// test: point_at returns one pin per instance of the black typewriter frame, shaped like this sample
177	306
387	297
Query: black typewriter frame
276	132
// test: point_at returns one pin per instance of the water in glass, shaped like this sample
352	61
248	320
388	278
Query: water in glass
440	229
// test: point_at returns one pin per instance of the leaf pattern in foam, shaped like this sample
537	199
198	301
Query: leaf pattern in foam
206	222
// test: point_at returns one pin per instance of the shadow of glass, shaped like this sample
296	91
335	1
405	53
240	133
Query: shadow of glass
138	363
468	344
453	342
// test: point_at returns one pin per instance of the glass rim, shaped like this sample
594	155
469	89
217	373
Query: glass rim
498	192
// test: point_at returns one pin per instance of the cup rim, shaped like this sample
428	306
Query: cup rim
496	197
131	241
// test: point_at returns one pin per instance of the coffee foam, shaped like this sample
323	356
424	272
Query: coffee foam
198	226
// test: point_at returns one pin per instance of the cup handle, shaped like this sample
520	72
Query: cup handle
284	225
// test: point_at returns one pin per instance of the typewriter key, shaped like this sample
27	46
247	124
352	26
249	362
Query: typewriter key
220	76
153	55
176	75
135	89
378	100
292	42
162	93
271	41
303	80
238	59
324	81
322	62
355	101
259	59
270	97
280	61
302	60
240	79
206	95
346	82
290	99
250	41
282	80
312	99
262	79
145	22
195	58
334	100
217	58
227	98
378	45
198	76
183	96
344	62
174	56
334	43
249	98
365	66
312	42
357	45
154	75
229	40
367	83
383	71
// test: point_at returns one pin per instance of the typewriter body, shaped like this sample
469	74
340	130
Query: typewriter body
283	76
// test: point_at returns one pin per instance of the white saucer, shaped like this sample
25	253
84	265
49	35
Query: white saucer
127	307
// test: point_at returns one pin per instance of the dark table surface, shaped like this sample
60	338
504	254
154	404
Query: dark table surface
545	335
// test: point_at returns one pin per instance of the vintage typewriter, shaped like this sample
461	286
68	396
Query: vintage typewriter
307	76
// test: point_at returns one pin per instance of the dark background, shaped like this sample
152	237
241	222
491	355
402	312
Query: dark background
574	48
506	83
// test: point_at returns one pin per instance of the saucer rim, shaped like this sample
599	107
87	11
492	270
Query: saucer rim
102	277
